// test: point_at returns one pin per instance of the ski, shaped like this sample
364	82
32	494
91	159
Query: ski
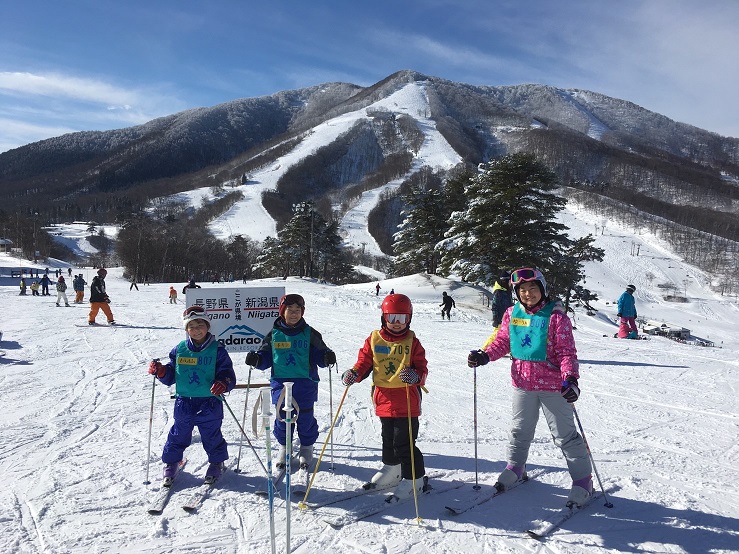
337	497
158	503
555	520
301	481
197	496
459	506
338	518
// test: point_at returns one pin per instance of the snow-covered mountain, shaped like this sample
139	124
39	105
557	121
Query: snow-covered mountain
334	142
661	419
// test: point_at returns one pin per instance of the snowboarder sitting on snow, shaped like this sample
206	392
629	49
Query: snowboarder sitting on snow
544	374
395	359
627	312
294	351
203	371
448	303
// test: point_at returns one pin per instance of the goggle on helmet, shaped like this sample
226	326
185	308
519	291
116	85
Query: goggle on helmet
526	275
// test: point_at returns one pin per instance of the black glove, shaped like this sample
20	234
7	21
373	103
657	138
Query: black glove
618	314
252	359
477	357
570	390
329	357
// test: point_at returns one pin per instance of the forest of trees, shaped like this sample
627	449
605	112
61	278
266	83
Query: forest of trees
473	224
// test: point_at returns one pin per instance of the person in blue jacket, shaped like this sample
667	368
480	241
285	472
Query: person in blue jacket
627	313
294	351
203	371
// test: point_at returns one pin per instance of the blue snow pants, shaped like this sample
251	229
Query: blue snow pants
207	414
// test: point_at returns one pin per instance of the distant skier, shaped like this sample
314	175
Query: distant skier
448	303
627	312
99	299
191	285
377	289
45	282
172	295
61	287
79	288
501	301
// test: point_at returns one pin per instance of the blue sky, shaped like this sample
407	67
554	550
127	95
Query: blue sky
102	64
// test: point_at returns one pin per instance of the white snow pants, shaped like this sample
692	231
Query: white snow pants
561	421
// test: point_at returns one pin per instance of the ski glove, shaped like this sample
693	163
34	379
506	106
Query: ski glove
156	368
477	357
252	359
329	357
408	375
570	390
619	314
349	377
219	387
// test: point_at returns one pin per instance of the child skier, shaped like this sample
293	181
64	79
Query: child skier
544	374
448	303
61	287
397	362
203	371
294	351
627	314
172	295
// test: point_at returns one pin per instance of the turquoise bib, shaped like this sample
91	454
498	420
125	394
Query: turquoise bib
529	333
291	354
195	371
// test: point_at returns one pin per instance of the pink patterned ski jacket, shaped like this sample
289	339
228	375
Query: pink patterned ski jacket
561	355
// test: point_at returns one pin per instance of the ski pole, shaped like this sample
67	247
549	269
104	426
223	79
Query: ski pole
331	418
151	422
474	421
243	420
288	457
265	402
243	433
302	505
608	504
413	460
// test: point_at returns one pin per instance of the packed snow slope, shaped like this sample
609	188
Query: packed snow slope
249	218
661	419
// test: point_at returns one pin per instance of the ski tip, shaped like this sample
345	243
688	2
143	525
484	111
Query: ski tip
189	509
534	535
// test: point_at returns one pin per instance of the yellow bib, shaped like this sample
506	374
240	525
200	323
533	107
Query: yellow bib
389	358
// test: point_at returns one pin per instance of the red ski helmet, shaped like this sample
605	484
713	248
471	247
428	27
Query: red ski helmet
397	304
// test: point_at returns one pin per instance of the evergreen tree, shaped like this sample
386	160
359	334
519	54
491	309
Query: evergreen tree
422	228
508	221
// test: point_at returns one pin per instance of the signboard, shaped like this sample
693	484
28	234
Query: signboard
239	317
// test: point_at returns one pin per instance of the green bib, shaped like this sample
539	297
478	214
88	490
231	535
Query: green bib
529	333
291	354
195	371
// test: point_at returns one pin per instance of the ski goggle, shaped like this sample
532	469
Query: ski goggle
193	311
396	318
290	299
525	274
